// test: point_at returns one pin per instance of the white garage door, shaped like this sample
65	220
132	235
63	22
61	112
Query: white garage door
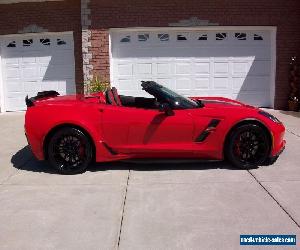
36	62
232	63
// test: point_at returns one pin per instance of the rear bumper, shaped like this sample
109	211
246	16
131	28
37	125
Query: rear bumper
36	149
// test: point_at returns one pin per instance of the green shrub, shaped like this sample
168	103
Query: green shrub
97	84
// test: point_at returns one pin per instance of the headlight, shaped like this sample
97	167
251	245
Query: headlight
271	117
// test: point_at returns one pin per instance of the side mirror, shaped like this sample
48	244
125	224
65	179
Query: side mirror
166	108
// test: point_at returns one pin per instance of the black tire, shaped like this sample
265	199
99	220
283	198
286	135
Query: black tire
70	151
271	160
248	146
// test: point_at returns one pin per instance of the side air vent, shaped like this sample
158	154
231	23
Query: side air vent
209	129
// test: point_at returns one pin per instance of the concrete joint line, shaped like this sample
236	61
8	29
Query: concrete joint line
287	213
291	132
123	209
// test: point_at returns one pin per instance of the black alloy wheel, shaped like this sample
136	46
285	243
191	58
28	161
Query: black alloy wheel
248	146
70	151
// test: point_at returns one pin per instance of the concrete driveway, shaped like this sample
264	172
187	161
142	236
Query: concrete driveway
144	206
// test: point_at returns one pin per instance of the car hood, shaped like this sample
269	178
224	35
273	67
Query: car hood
221	101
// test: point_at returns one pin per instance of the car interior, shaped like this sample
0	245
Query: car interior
113	98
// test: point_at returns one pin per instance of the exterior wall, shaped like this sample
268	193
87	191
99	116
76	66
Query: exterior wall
86	39
50	16
285	15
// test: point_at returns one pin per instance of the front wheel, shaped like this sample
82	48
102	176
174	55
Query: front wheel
248	146
70	151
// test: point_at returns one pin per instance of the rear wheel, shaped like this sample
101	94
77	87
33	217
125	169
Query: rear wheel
70	151
248	146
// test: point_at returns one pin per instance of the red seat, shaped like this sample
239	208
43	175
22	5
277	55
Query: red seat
110	97
116	96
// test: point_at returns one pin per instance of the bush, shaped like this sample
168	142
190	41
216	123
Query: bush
97	84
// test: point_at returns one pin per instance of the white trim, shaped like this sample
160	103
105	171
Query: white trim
200	28
2	106
273	66
36	34
110	60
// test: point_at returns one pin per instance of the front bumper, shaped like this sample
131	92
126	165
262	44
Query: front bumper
281	150
278	140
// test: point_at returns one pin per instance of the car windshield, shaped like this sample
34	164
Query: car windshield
163	94
178	100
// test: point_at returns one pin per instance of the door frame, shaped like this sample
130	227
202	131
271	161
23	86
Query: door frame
2	87
271	29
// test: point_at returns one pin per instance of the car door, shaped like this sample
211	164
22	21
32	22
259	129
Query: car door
148	131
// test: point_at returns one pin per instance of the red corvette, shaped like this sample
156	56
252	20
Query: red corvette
71	131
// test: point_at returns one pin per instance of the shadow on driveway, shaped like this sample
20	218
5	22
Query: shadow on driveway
24	160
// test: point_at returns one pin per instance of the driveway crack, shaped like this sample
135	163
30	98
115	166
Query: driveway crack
278	203
291	132
123	209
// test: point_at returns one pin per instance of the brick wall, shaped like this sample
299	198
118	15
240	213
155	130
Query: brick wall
285	15
53	16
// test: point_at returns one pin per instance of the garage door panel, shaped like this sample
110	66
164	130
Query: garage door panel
260	68
125	69
34	62
61	57
13	87
46	85
183	84
217	64
202	67
55	72
144	68
182	68
251	52
250	83
221	83
44	59
29	59
11	73
32	86
202	83
240	68
15	103
66	86
210	51
163	68
256	98
127	84
29	72
219	92
164	81
221	68
12	61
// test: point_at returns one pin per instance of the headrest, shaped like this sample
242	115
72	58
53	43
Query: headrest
110	97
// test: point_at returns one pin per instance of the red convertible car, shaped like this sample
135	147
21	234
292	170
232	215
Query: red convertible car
74	130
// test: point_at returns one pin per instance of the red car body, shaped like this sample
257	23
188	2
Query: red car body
120	132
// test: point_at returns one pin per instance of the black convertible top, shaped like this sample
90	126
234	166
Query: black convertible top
150	84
